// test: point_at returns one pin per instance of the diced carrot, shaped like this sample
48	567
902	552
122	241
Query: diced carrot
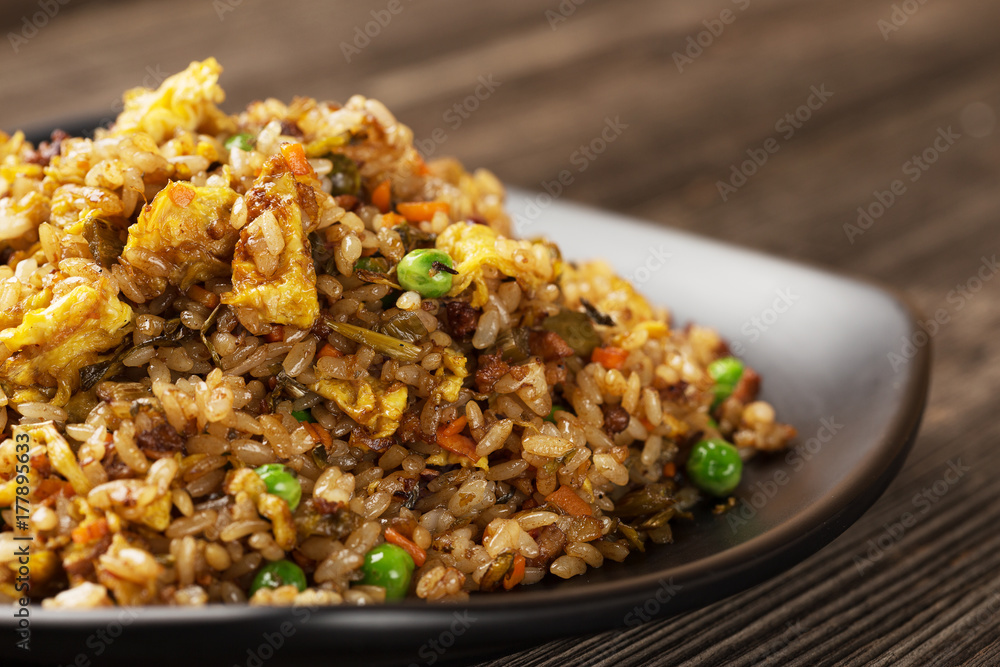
295	156
324	436
382	196
422	168
89	531
392	219
455	426
421	211
276	334
50	487
181	195
567	499
458	444
449	437
208	299
669	469
329	351
311	430
418	555
648	425
609	357
516	574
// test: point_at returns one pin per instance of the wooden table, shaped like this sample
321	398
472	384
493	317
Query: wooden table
701	88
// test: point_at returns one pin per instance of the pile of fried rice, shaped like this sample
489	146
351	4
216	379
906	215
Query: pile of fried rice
191	295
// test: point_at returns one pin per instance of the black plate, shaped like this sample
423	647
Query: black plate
836	364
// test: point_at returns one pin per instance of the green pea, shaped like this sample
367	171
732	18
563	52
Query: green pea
280	482
391	568
244	141
279	573
421	271
726	372
303	416
715	466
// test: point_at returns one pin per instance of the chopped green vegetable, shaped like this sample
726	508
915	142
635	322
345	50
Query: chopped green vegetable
497	570
320	456
513	344
303	416
390	567
646	500
280	482
574	328
279	573
715	466
389	300
373	264
244	141
344	178
405	326
322	254
552	413
726	372
421	271
414	237
104	241
400	350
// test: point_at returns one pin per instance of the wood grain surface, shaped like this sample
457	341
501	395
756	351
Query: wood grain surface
895	78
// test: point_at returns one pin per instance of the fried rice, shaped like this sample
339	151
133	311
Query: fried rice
190	295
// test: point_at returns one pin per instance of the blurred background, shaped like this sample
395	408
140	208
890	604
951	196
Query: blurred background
858	135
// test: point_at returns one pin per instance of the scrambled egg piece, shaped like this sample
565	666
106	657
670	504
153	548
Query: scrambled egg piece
370	402
450	384
182	238
184	101
474	247
274	280
66	326
598	283
22	206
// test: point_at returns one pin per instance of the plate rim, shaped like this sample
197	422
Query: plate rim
753	561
